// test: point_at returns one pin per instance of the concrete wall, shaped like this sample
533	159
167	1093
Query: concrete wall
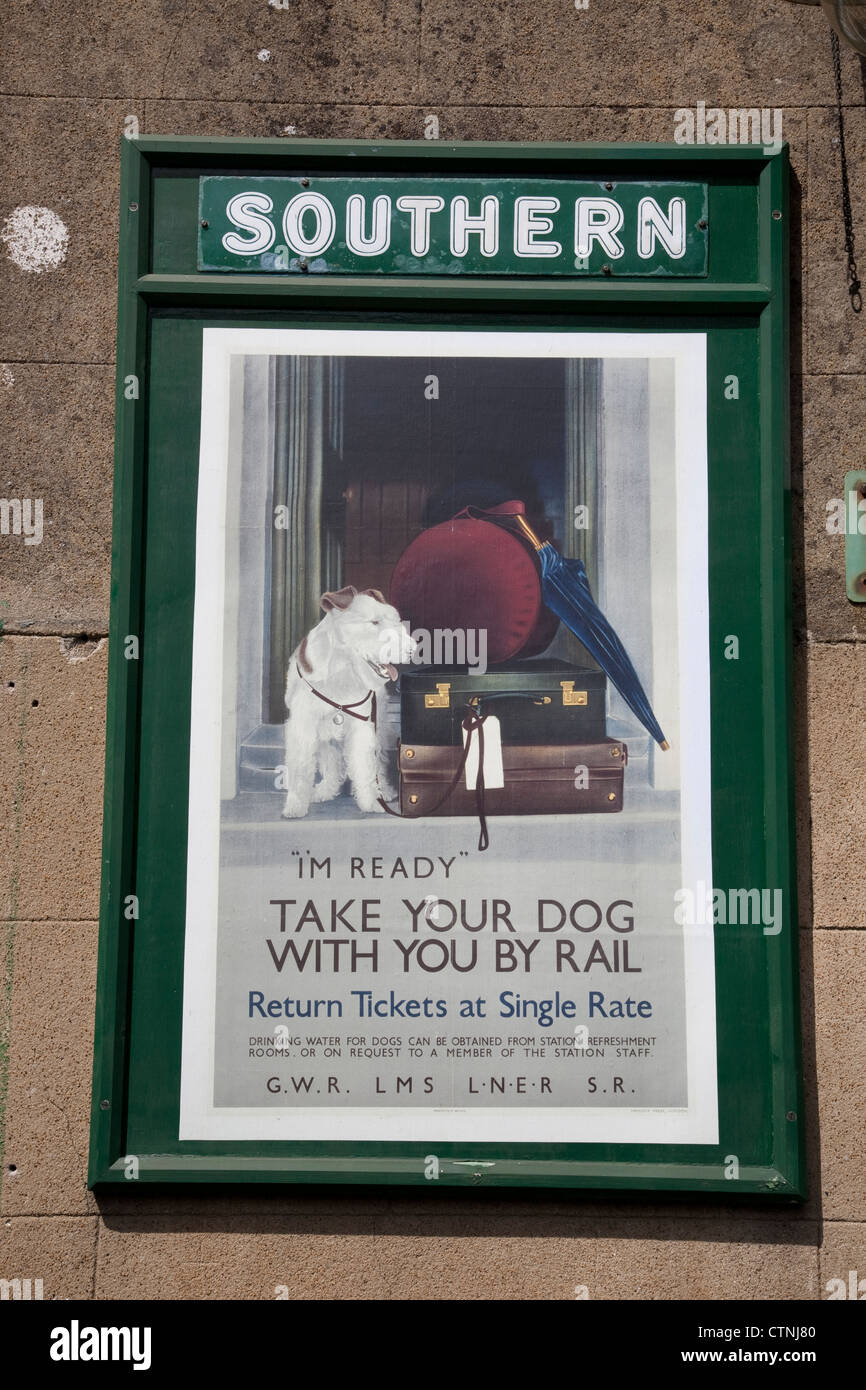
495	69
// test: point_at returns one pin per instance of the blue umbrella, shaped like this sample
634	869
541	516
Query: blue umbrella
566	591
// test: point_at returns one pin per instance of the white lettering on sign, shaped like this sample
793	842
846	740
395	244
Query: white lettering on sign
380	237
326	223
310	221
529	224
652	224
246	212
419	209
485	225
598	219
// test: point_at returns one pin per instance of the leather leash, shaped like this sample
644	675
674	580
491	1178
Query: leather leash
473	723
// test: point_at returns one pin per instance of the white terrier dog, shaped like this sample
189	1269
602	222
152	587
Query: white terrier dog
332	682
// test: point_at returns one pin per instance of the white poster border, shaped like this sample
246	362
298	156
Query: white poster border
199	1119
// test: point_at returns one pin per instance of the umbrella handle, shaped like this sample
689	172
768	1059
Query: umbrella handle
527	531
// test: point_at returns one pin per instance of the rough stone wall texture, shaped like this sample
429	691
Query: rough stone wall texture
493	69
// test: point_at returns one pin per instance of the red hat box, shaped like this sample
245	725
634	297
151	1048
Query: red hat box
472	573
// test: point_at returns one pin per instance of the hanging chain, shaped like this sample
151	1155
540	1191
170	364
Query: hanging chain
853	279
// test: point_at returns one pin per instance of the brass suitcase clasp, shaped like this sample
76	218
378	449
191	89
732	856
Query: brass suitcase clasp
570	696
440	701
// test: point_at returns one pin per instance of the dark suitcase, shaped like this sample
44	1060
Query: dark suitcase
536	702
564	780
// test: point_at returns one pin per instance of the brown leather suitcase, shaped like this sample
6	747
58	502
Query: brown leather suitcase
563	779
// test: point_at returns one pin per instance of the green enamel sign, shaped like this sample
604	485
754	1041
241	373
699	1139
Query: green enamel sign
435	226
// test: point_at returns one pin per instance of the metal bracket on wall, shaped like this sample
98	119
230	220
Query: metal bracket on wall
855	535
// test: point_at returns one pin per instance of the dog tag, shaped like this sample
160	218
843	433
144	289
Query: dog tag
494	775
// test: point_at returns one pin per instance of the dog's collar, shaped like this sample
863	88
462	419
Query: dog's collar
344	709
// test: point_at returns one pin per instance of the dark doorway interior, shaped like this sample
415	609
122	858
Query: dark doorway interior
422	439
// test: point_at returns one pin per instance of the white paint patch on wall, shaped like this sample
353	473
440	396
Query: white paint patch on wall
81	648
36	238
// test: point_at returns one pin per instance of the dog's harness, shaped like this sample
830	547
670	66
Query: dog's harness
345	709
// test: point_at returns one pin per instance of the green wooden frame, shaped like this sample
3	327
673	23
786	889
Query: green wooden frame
742	304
